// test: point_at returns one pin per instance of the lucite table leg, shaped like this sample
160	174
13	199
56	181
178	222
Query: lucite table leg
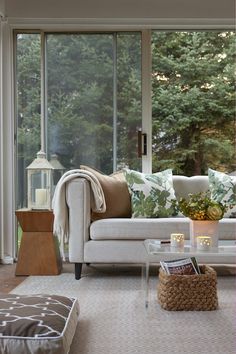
145	282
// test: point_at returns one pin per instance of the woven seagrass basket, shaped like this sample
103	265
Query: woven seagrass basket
188	292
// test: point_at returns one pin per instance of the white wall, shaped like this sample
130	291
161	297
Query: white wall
120	8
7	246
2	7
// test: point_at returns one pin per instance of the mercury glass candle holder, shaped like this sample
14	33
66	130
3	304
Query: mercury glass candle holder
203	243
177	240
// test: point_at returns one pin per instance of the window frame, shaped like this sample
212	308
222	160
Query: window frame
7	94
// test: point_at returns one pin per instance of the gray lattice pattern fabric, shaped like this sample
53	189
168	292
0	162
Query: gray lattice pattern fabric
29	322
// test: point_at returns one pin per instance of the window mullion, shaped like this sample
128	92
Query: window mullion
43	92
114	102
147	98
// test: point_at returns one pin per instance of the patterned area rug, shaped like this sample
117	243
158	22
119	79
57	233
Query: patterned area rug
113	318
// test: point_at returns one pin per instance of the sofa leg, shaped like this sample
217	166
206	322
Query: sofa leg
78	269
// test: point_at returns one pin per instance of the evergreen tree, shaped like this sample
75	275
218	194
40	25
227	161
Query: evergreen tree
193	101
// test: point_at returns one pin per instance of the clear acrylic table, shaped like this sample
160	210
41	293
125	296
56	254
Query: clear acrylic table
225	253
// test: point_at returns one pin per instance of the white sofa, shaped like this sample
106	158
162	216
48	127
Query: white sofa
120	240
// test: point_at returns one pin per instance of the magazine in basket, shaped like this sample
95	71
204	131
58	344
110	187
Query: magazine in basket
185	266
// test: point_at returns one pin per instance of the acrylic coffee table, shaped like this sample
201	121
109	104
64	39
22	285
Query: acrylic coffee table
154	253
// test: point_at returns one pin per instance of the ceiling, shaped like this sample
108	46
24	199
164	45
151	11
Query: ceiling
118	8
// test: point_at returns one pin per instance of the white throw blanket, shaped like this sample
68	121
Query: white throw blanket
60	208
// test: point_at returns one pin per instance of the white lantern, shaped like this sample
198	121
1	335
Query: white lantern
58	169
39	178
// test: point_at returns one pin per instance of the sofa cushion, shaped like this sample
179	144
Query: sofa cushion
152	195
116	195
223	189
156	228
138	228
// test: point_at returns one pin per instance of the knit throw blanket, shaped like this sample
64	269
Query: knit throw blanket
60	207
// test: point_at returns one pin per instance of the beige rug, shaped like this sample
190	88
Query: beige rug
113	319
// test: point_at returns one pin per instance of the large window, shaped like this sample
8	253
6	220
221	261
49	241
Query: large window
93	100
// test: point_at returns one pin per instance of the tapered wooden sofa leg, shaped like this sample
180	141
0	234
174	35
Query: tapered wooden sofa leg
78	270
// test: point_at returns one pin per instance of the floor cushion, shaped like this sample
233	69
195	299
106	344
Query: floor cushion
37	323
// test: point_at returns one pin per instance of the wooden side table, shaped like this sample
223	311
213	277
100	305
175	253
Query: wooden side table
39	251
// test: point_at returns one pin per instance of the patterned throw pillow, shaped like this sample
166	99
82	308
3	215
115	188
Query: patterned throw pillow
223	189
152	195
39	323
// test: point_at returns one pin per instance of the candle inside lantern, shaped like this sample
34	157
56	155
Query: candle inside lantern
40	197
177	240
203	243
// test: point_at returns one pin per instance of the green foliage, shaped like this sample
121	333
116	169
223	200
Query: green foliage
193	101
200	206
85	64
142	205
223	188
134	178
152	195
28	99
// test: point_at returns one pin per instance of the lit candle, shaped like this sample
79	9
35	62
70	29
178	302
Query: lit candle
203	243
177	240
40	197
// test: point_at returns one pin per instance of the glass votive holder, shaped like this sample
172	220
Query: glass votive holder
177	240
203	243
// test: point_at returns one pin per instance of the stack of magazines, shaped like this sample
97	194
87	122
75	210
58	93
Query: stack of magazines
185	266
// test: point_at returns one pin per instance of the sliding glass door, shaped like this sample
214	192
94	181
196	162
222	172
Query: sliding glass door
93	100
92	103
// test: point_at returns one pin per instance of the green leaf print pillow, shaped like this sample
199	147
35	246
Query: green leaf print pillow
223	189
152	195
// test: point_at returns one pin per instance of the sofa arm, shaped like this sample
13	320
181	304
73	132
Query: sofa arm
78	201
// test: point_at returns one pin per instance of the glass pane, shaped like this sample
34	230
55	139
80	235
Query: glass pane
27	107
80	100
80	82
193	101
129	99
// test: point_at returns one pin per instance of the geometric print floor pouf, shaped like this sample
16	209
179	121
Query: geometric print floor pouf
37	323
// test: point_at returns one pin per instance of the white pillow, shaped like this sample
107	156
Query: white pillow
223	190
152	195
